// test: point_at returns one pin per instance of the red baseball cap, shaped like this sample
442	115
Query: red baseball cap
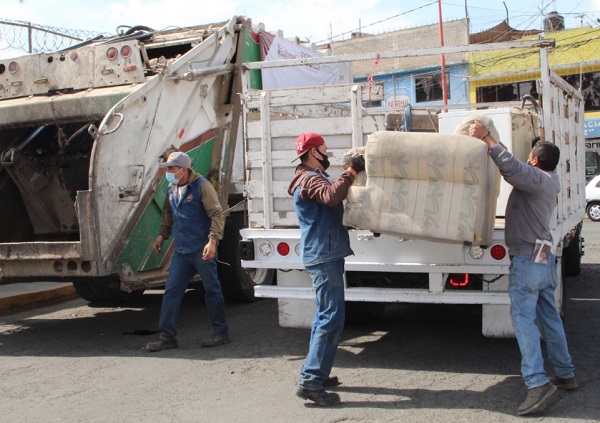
307	141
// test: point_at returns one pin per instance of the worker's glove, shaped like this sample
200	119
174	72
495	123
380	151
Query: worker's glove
357	163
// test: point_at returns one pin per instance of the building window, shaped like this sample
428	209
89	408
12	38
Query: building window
506	92
429	88
590	88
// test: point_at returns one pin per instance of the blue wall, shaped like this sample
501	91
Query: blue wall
399	87
592	127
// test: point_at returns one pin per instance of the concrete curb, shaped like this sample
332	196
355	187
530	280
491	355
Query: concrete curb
18	296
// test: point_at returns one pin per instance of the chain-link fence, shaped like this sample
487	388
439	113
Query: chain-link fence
17	38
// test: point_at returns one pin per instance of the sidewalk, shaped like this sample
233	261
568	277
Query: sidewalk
16	296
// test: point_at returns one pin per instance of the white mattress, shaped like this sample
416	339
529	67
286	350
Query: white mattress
421	185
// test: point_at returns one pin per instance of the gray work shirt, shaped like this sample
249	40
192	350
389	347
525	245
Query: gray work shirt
531	202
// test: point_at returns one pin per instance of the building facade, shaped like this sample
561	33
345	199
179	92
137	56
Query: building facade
491	76
414	81
508	75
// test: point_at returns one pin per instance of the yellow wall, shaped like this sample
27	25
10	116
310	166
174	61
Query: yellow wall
573	47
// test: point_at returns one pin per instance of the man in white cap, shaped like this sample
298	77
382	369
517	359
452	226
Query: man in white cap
193	215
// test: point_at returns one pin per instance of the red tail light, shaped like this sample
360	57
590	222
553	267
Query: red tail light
125	51
283	248
13	67
498	252
458	279
112	53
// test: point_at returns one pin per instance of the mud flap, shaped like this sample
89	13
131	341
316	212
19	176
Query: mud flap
496	321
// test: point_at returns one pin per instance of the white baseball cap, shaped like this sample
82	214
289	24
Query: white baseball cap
179	159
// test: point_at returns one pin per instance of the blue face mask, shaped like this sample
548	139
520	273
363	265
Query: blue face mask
171	178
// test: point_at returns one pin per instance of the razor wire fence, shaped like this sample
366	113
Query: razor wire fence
18	38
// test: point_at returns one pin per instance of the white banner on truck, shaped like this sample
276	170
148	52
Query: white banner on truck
296	76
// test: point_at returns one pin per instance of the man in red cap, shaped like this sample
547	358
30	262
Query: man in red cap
324	244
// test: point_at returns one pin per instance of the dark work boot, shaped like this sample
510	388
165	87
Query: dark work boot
331	381
161	345
216	340
322	398
535	398
566	383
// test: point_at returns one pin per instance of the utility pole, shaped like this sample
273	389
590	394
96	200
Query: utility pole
444	86
467	16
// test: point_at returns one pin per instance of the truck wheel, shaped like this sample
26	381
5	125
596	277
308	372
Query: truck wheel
593	211
85	291
104	290
571	256
238	283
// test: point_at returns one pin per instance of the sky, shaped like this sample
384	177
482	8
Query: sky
316	21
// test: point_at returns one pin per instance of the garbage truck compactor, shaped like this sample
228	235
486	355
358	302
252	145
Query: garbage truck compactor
81	134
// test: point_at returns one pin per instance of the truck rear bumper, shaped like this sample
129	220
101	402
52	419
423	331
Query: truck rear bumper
18	251
361	266
50	260
390	295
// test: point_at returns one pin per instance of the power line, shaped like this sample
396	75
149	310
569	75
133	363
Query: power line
378	22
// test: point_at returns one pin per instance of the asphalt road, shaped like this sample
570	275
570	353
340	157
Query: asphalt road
75	363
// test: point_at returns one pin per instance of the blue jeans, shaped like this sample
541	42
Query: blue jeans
183	268
328	324
533	311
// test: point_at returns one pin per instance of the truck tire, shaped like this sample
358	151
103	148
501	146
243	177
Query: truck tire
571	255
104	290
238	283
